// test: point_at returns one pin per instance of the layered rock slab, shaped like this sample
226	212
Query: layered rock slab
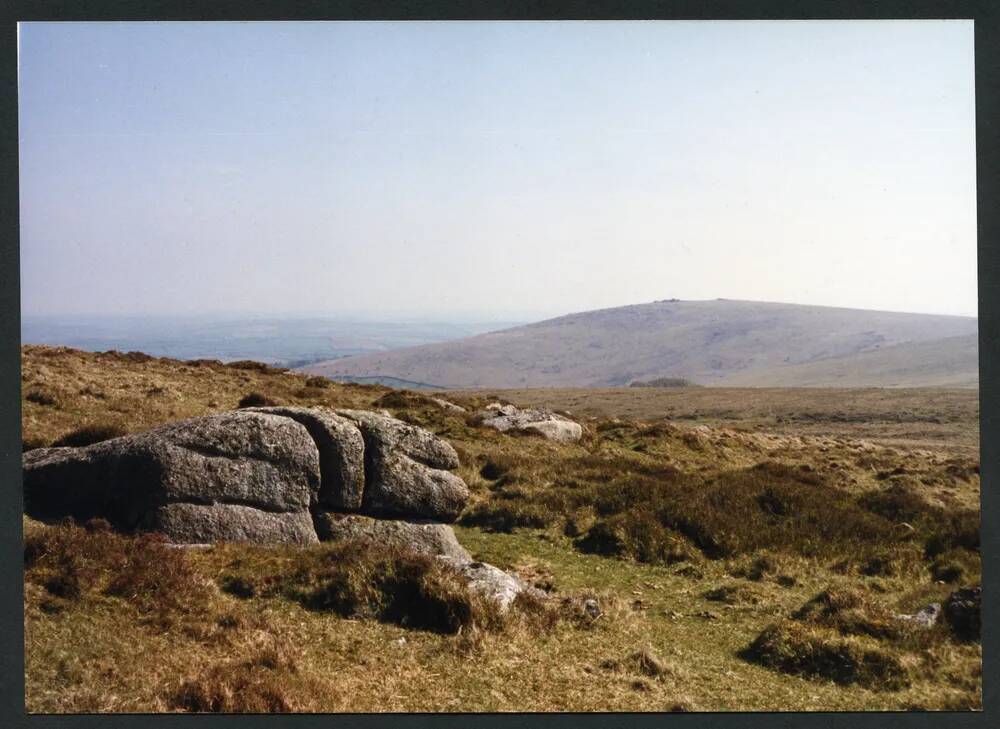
341	454
406	470
544	422
421	537
266	464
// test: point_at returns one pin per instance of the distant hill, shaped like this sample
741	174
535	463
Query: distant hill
950	362
719	342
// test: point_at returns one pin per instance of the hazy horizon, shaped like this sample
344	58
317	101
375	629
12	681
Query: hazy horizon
515	170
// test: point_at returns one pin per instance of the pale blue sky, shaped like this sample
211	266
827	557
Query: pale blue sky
448	168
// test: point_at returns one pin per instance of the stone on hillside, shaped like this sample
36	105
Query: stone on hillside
554	427
491	582
422	537
341	454
925	617
449	406
405	470
257	460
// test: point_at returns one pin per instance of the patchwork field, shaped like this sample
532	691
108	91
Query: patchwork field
746	550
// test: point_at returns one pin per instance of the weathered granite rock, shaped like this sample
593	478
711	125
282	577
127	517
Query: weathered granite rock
491	582
341	454
447	405
405	470
210	523
262	461
925	617
422	537
546	423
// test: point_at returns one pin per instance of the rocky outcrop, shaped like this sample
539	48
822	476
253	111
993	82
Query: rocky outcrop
208	523
406	470
341	454
257	474
264	463
271	475
422	537
552	426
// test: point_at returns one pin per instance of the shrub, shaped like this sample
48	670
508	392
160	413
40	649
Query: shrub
378	583
320	383
41	397
636	534
403	399
73	563
505	516
666	382
248	364
851	612
90	434
258	685
255	399
812	652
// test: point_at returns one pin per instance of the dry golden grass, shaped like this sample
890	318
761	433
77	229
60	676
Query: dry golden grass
686	591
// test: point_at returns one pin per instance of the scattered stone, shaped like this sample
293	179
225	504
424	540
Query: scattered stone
591	609
491	582
925	617
552	426
449	406
422	537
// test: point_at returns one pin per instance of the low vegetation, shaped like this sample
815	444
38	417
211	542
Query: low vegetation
733	564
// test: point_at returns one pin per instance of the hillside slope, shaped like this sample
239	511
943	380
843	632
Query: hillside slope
949	362
703	341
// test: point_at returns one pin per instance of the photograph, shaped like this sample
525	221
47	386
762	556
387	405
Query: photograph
499	366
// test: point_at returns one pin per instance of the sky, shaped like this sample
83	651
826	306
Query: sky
461	168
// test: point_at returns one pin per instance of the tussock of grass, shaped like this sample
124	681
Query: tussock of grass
852	612
76	564
385	584
815	652
268	682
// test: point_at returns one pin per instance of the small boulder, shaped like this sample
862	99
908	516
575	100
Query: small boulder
492	582
446	405
925	617
422	537
544	422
